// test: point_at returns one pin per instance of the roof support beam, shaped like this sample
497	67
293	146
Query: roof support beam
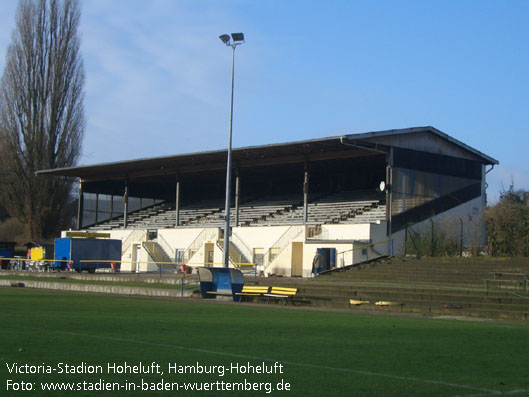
80	208
177	202
126	204
237	191
306	193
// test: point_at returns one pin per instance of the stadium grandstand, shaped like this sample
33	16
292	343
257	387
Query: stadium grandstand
351	196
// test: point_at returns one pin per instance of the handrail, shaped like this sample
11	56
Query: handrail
365	245
155	251
243	249
139	234
205	234
232	246
282	242
367	251
165	246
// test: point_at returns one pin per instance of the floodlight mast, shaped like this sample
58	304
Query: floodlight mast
238	39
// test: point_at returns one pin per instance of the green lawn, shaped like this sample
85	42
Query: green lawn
322	353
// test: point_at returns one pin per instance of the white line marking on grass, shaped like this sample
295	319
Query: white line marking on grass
501	393
293	363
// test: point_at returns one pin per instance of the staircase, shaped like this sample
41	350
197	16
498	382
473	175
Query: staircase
205	235
281	244
159	256
236	256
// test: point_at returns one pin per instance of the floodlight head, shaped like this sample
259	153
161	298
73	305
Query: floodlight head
237	36
225	39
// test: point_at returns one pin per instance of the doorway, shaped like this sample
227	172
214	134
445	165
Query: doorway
209	253
297	260
329	258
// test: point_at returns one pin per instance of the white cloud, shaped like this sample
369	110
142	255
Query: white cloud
501	177
153	79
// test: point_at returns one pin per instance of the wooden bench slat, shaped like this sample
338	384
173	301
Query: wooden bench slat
253	290
356	302
282	292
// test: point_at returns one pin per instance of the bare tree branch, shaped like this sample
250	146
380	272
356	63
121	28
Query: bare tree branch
42	119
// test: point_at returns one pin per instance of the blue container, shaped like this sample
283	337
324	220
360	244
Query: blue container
220	281
76	249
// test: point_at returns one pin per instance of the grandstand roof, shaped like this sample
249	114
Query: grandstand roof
349	145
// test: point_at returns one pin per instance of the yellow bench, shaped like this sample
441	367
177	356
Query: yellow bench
284	293
252	290
386	303
355	302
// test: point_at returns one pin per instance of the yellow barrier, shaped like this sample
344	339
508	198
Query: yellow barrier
161	263
33	260
189	265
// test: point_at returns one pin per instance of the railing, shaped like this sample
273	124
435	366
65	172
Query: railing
366	247
135	236
281	243
166	247
220	246
246	253
235	257
155	251
160	256
247	268
316	232
206	234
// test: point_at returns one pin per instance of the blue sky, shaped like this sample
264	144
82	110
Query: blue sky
158	77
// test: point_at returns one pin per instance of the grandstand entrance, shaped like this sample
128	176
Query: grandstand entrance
329	258
297	260
209	251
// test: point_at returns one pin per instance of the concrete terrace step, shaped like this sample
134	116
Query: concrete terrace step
431	286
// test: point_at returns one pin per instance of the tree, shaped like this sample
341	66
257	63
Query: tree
41	112
508	224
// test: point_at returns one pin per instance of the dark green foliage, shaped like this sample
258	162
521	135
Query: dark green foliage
432	241
508	224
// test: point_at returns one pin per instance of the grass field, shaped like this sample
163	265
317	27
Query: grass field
321	353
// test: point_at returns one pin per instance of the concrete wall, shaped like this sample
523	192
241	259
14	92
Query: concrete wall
348	240
341	237
260	237
179	238
449	222
100	289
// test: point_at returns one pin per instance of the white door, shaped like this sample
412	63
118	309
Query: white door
136	253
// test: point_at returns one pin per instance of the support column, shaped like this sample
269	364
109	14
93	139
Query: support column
126	204
389	190
237	187
111	206
306	194
80	207
96	208
177	202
